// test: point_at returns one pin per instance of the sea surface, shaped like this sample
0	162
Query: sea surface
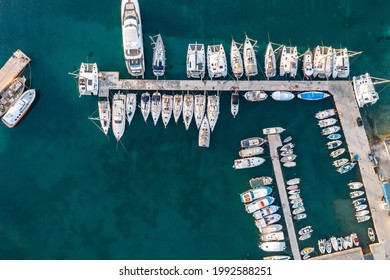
69	192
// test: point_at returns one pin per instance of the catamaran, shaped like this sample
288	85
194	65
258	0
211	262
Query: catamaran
204	133
200	108
156	106
118	115
16	112
104	114
88	79
322	66
166	110
158	64
236	59
364	90
270	61
131	105
249	55
196	61
307	65
216	61
133	46
234	103
188	109
289	61
213	110
145	105
177	106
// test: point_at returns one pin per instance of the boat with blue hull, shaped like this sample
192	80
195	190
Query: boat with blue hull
312	95
334	136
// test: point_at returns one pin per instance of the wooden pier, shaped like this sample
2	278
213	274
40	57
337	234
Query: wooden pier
12	68
275	142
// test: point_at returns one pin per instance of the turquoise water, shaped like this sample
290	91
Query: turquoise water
68	192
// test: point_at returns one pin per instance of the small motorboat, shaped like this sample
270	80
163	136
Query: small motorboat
288	158
346	167
356	194
355	185
337	152
358	201
296	191
290	164
271	228
260	181
250	152
274	258
287	153
304	236
307	251
321	245
327	122
334	144
297	200
293	181
334	136
294	196
292	187
328	246
287	139
298	210
256	95
362	219
297	205
362	213
340	162
355	239
306	229
252	142
287	147
340	241
360	207
371	234
300	216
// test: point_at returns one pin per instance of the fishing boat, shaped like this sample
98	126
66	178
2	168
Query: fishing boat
265	211
145	105
312	95
294	196
156	106
177	106
296	191
371	234
118	115
298	210
200	108
328	246
355	239
358	201
213	110
307	251
346	167
321	245
282	95
271	228
333	241
293	181
252	142
306	229
362	213
290	164
275	236
360	207
88	81
132	37
322	62
249	56
330	130
267	220
289	61
287	147
131	105
204	133
17	110
297	205
325	114
167	106
196	61
361	219
307	66
188	109
340	62
234	103
327	122
216	61
340	242
355	185
304	236
270	61
158	63
340	162
273	246
250	152
334	136
260	181
255	95
104	115
292	187
274	258
355	194
273	130
248	162
287	139
258	204
236	60
300	216
254	194
288	158
337	152
287	153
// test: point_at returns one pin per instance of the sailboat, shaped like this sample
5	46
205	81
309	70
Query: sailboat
200	108
234	103
249	55
270	61
158	64
167	106
156	106
104	114
216	61
196	61
177	106
188	109
213	110
236	59
322	66
289	61
145	105
118	115
307	66
131	105
204	133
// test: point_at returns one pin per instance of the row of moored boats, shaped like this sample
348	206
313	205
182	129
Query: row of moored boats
362	213
335	244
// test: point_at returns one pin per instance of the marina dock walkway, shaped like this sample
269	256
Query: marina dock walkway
275	142
12	68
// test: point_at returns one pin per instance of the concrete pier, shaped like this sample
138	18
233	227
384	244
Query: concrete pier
12	68
275	142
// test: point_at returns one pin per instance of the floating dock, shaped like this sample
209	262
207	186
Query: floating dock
12	68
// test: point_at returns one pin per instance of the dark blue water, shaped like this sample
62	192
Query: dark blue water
68	192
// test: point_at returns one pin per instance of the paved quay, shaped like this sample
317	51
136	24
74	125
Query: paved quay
275	142
12	68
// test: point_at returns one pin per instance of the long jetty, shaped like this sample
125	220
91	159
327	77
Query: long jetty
12	68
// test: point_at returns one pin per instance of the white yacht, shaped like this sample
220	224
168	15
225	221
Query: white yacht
248	162
216	61
16	112
188	109
158	64
340	61
118	115
131	105
156	106
200	108
234	103
167	106
177	106
236	59
307	65
11	93
104	114
273	246
204	133
289	61
133	46
249	56
364	90
145	105
196	61
270	61
213	110
88	79
322	64
282	95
